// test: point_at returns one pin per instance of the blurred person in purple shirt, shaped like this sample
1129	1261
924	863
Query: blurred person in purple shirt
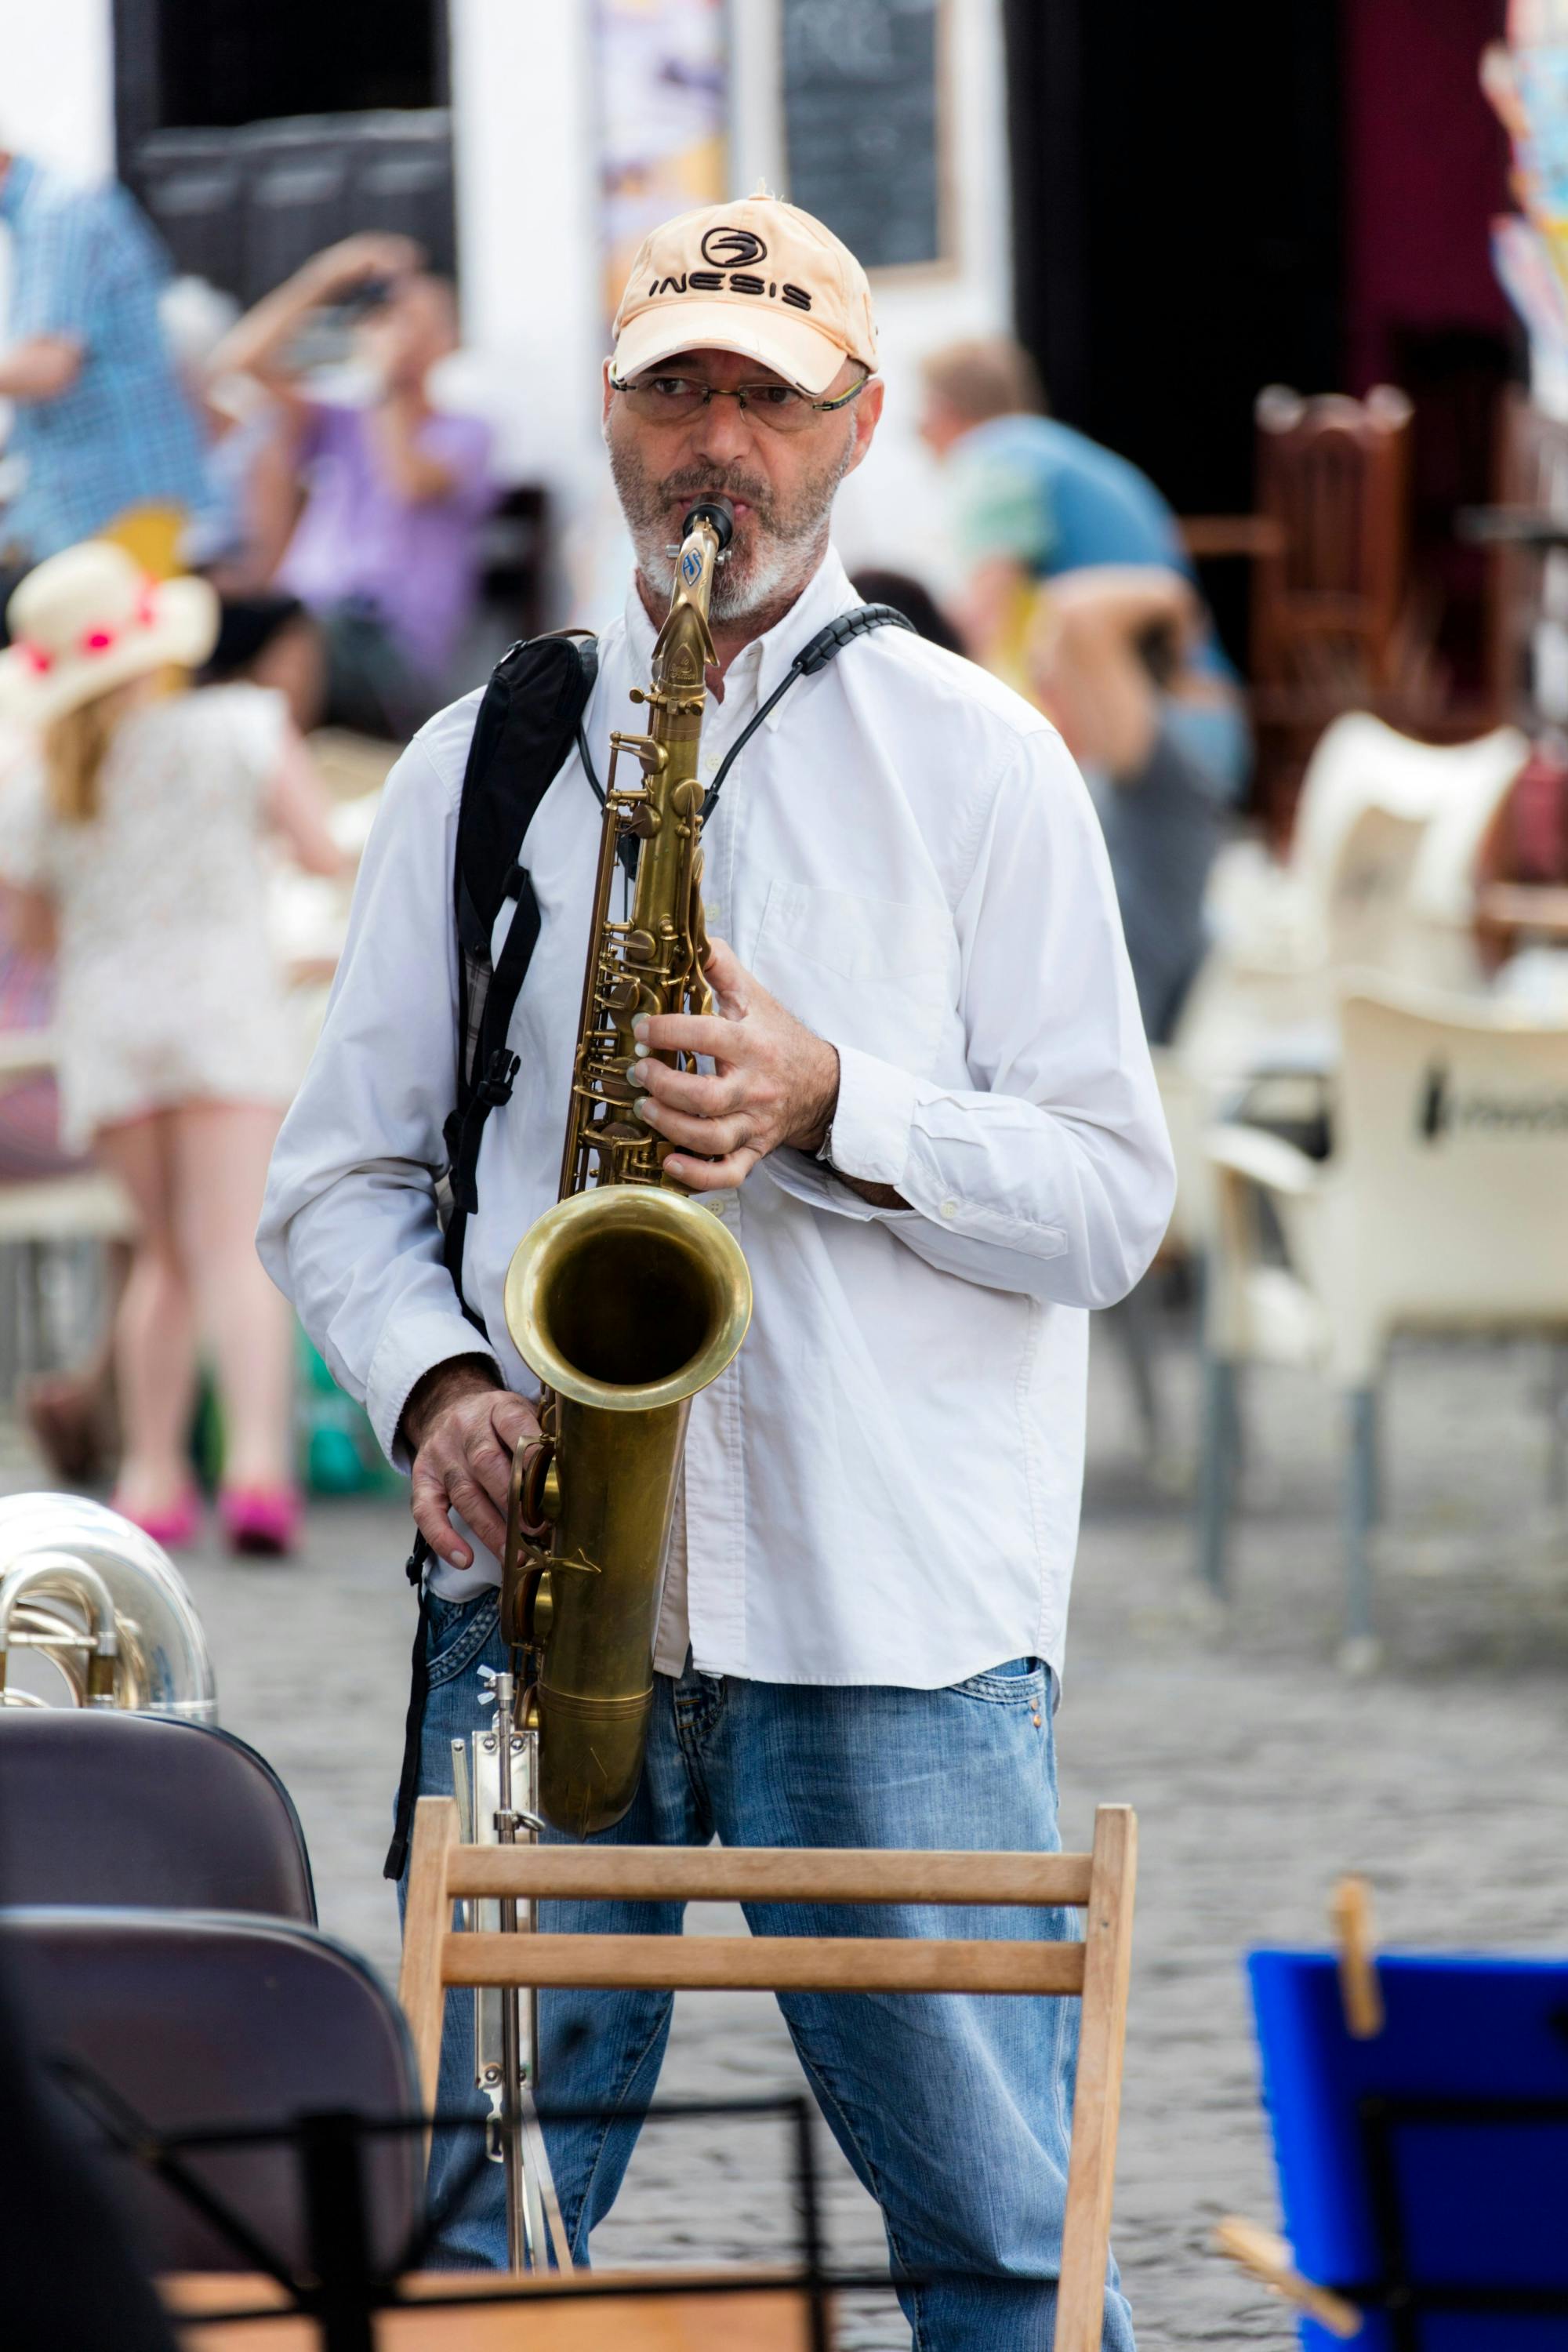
385	549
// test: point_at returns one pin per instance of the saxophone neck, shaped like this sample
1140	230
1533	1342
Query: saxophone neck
683	653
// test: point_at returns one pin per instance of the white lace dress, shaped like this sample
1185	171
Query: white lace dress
168	990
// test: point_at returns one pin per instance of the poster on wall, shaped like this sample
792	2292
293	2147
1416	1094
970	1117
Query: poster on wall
863	124
663	76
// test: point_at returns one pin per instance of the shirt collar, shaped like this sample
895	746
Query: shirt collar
14	187
825	594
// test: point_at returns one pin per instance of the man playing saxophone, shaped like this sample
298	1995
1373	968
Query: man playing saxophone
925	1110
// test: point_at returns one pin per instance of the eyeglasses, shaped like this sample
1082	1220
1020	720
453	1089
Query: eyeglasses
676	399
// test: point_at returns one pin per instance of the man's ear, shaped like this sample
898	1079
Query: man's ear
608	396
867	414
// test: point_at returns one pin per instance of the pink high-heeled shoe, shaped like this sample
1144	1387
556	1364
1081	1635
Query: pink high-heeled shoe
260	1521
174	1527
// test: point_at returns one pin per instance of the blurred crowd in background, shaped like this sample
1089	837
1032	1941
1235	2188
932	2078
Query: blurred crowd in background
244	553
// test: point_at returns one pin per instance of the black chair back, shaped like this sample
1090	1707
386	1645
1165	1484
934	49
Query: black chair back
203	2022
100	1806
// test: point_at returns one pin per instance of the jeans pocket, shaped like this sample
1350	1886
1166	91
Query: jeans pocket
457	1632
1018	1682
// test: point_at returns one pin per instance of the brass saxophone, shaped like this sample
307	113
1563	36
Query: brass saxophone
627	1296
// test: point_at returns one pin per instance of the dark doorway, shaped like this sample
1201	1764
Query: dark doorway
231	61
255	131
1176	176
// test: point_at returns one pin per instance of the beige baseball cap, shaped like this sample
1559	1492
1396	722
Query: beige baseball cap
758	276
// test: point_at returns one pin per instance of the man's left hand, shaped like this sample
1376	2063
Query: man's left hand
774	1083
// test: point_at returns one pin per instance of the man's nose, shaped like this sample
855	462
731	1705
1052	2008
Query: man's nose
724	433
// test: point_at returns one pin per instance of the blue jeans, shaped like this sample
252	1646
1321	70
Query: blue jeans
954	2109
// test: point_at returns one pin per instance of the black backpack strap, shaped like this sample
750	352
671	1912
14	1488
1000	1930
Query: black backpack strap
530	720
414	1721
824	647
529	723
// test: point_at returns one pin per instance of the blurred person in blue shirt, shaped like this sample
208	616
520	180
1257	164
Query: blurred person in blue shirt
101	424
1078	590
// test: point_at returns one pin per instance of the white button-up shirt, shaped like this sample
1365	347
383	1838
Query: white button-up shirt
884	1485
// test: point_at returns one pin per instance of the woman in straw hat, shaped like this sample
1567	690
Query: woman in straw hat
137	836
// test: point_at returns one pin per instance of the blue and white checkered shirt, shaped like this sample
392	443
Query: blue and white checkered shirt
86	267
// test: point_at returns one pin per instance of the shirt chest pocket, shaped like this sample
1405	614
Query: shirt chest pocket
879	974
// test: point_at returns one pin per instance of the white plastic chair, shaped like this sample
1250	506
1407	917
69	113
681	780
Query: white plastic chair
1444	1207
1380	877
1438	942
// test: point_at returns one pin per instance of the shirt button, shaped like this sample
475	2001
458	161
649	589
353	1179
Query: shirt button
949	1208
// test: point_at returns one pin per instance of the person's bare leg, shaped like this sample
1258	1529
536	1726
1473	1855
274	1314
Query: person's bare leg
221	1150
295	663
154	1333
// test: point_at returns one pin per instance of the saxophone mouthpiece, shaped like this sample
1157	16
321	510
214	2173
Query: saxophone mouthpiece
719	514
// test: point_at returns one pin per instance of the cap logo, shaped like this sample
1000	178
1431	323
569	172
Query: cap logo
732	248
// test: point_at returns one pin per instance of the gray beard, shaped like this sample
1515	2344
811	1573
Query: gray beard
784	552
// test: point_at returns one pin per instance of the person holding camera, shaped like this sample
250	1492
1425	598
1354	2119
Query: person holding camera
385	553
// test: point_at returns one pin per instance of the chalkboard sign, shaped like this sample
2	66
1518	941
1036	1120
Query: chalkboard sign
861	123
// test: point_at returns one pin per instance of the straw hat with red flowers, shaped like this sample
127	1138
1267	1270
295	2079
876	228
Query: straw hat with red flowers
90	619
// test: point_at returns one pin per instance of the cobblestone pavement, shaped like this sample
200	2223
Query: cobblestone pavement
1257	1770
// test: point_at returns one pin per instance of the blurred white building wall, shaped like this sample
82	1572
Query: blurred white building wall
57	96
526	160
57	83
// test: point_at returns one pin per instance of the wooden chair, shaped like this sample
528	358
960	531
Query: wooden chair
1329	621
436	1957
1333	475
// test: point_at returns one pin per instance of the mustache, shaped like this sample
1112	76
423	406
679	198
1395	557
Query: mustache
728	481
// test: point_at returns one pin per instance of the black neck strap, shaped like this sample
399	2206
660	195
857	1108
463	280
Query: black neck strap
824	647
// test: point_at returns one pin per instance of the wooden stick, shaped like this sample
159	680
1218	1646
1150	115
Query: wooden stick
428	1915
772	1963
1091	2166
1350	1918
631	1874
1266	2256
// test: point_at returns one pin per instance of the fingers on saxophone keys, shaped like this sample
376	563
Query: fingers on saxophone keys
711	1175
688	1090
513	1417
713	1137
491	1465
685	1033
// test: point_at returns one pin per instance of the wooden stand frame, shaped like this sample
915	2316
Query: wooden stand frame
436	1957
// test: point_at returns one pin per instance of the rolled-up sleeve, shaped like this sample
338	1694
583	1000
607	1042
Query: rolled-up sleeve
349	1230
1051	1172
